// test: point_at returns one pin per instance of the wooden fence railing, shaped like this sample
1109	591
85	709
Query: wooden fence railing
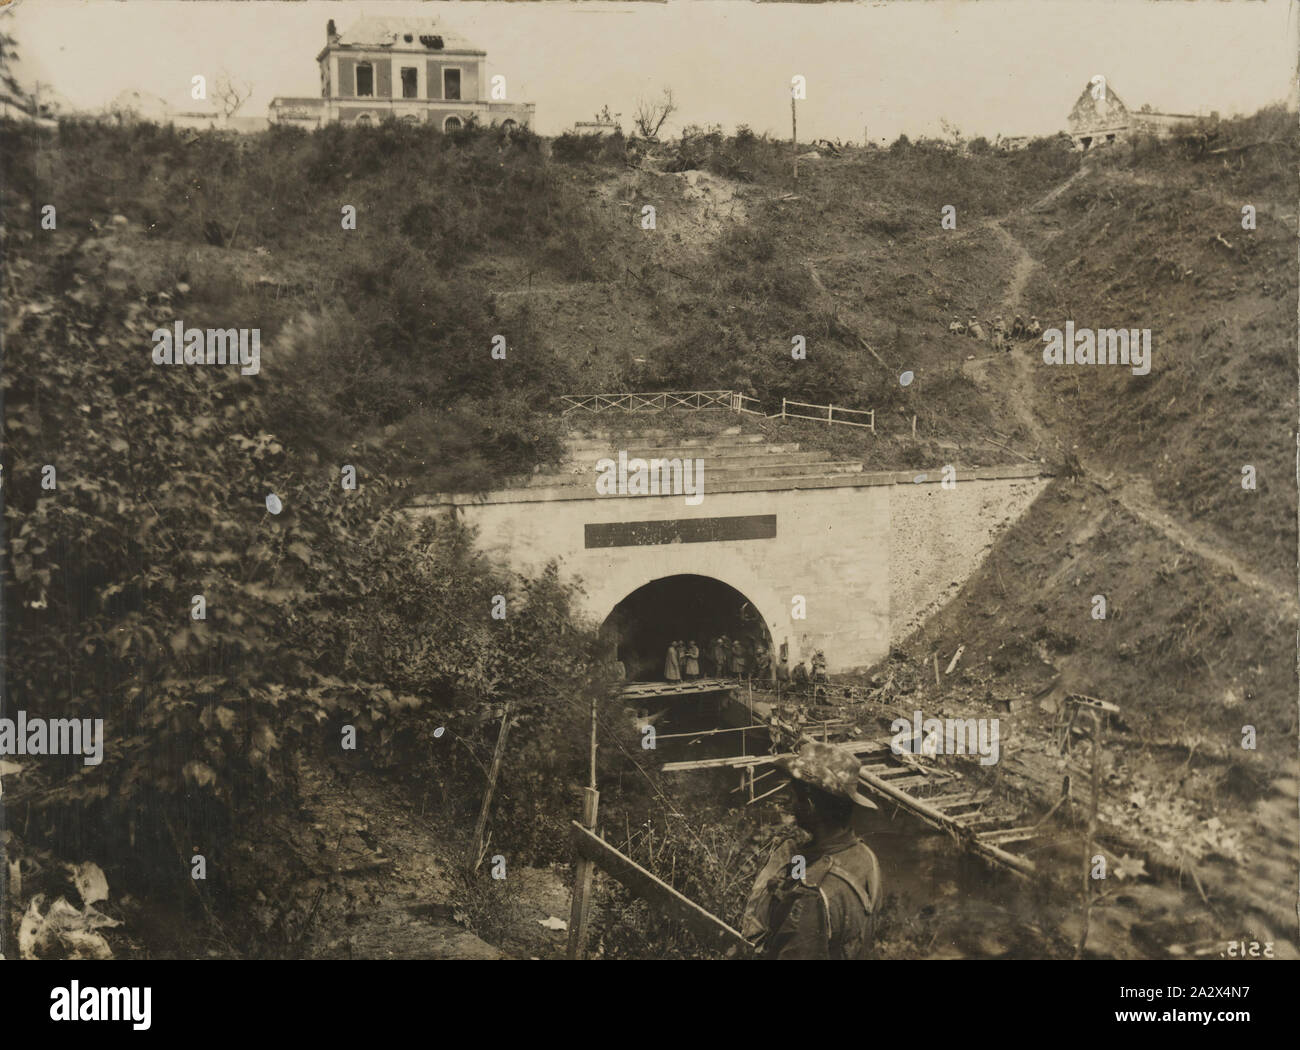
868	414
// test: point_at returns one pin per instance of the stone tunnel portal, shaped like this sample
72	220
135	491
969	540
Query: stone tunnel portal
685	608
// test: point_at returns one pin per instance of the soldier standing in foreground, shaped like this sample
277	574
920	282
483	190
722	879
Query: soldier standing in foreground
828	913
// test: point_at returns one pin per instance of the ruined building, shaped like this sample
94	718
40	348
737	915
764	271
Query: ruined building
1100	117
411	69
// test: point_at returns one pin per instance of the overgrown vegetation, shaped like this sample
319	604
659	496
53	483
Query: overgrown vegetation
343	611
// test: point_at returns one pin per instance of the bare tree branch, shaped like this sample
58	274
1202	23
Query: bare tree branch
650	117
231	94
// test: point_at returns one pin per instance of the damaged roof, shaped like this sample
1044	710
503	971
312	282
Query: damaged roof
403	34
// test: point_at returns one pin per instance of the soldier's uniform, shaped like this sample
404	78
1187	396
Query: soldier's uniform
956	327
829	913
975	330
1018	327
1035	329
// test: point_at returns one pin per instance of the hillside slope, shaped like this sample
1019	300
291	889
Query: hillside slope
376	346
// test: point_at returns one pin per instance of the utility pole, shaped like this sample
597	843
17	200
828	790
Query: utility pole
581	905
36	98
794	137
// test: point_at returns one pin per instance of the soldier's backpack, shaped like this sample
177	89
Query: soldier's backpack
855	868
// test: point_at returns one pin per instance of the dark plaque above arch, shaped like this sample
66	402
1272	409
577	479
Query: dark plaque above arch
680	530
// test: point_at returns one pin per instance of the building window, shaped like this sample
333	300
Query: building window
451	84
451	124
365	80
409	84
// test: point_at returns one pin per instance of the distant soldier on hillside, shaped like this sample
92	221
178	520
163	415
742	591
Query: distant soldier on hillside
1018	327
1035	329
974	330
1073	468
956	327
999	334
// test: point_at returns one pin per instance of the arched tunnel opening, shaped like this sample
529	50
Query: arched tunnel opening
686	608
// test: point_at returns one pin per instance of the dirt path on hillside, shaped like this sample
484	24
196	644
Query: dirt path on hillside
1136	495
1012	373
1021	270
1056	191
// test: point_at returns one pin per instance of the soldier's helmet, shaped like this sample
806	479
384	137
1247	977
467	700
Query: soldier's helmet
827	768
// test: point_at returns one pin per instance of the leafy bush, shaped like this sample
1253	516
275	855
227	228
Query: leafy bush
334	611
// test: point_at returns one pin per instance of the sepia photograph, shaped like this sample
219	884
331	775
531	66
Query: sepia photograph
692	480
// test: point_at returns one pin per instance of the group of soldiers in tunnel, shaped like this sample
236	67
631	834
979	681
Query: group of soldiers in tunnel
745	658
722	657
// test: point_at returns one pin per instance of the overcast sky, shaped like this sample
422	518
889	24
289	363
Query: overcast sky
988	67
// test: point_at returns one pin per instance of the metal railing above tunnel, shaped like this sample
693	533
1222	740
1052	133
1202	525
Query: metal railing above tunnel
729	399
649	402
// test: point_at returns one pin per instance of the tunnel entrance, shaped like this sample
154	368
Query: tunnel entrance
682	608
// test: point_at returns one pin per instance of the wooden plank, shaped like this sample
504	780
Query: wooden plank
779	787
1007	835
973	821
711	732
705	925
751	782
480	827
1017	864
955	801
863	747
904	783
738	762
581	905
699	685
1093	702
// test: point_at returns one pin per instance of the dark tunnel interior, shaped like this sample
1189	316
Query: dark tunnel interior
686	608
